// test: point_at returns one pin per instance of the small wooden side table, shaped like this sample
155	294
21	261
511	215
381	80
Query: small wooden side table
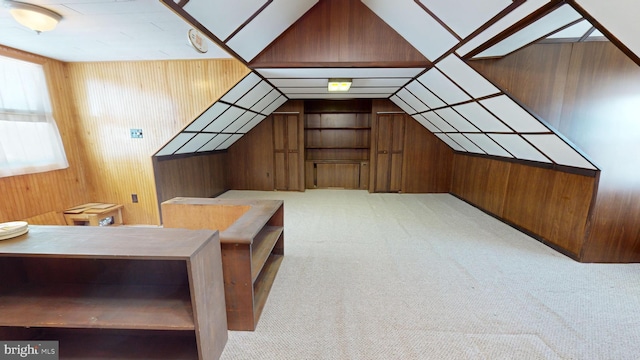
92	213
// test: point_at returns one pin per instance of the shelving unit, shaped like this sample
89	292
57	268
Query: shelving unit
337	146
252	244
113	293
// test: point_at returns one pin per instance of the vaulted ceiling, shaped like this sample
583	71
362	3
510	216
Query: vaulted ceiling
415	53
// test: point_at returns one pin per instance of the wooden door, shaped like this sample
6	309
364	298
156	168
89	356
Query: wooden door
390	146
287	154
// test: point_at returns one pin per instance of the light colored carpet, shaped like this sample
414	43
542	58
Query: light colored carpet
405	276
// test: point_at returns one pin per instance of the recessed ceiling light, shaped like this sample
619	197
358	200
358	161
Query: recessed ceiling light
339	85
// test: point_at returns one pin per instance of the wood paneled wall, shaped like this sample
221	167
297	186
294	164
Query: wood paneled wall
590	92
27	196
427	161
340	33
159	97
201	175
548	204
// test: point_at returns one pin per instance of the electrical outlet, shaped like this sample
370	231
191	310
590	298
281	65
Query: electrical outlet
136	133
134	198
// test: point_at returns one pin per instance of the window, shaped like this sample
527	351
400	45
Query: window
29	138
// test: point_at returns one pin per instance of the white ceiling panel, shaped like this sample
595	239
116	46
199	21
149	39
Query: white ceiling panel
196	143
596	33
267	26
466	77
380	82
411	21
553	21
513	114
620	17
519	147
452	144
251	124
266	101
573	32
353	90
274	105
215	142
207	117
230	141
426	123
326	73
413	101
466	143
244	86
440	85
558	150
481	118
348	95
422	93
225	119
513	17
254	95
240	122
282	83
175	144
488	145
454	119
403	105
220	18
436	120
464	16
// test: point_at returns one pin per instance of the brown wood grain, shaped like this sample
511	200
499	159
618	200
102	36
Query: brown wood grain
251	161
159	97
587	90
340	32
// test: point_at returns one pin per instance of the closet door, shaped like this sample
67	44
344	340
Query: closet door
287	154
390	146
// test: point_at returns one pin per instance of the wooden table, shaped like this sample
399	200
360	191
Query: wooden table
92	213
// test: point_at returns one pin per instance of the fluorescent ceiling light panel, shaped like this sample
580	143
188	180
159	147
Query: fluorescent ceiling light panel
466	143
456	120
519	147
240	122
196	143
481	118
488	145
255	95
267	26
440	85
274	105
573	32
474	13
413	101
466	77
175	144
452	144
266	101
422	93
619	17
436	120
241	88
559	151
251	124
225	119
551	22
207	117
426	123
230	141
402	104
337	85
215	142
513	114
513	17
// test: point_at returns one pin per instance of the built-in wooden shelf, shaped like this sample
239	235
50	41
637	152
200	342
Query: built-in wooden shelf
252	247
337	147
115	292
339	128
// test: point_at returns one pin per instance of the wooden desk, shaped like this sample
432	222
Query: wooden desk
91	214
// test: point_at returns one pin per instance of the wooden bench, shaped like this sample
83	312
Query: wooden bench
252	245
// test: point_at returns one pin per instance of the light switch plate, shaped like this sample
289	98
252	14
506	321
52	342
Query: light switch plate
136	133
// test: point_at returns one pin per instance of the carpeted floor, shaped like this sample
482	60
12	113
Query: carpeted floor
400	276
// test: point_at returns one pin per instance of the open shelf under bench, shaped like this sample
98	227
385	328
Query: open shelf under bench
252	246
103	285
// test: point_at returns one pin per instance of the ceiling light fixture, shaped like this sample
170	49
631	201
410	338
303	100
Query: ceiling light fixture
32	16
339	85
